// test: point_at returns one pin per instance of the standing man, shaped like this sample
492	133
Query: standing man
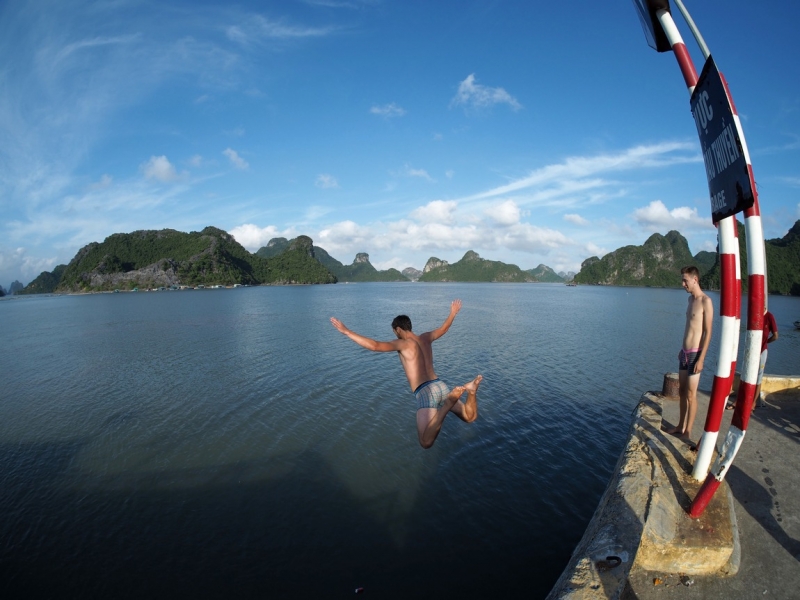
434	398
696	338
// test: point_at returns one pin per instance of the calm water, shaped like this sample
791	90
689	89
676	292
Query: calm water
233	444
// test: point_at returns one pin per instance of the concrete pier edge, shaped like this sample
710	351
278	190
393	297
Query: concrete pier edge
641	522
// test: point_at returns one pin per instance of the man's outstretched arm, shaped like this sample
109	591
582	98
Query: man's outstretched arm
366	342
455	306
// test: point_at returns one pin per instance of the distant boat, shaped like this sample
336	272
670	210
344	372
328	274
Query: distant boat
797	324
571	284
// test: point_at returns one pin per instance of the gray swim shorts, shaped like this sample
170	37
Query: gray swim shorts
431	394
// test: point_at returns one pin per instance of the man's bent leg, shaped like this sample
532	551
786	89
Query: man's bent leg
468	411
429	420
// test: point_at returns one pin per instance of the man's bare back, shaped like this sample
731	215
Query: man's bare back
434	399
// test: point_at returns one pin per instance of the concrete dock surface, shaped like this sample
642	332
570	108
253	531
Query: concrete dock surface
641	543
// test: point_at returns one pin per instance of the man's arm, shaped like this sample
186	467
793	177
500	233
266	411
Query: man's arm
708	322
366	342
455	306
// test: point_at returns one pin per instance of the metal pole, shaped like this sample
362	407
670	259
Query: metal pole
693	28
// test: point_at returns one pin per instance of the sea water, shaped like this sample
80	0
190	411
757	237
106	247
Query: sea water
232	443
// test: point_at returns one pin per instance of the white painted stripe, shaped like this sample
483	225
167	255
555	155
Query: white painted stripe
705	452
733	442
670	29
752	356
736	338
727	241
756	261
740	131
729	336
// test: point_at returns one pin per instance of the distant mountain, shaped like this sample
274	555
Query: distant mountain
473	268
15	288
783	263
704	260
2	291
168	257
567	276
656	263
412	273
360	270
46	282
545	274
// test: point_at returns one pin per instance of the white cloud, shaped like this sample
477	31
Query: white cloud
421	173
504	213
196	161
475	95
388	110
160	169
326	181
254	237
449	173
595	250
236	160
17	264
575	219
656	217
442	211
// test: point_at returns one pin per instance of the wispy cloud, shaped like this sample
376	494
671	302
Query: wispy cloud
575	219
326	181
388	110
474	95
257	29
236	160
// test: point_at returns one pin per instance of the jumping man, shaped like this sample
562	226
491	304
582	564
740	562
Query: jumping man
434	399
696	338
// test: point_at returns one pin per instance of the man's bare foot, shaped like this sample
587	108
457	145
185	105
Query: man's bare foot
471	405
674	431
472	386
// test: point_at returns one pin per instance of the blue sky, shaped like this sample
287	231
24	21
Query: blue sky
529	132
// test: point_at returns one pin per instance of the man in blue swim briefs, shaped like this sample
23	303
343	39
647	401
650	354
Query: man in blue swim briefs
696	338
434	399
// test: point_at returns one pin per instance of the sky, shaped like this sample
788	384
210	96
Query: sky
529	132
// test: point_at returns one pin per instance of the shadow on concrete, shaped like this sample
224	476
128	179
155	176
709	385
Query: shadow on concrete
781	414
759	503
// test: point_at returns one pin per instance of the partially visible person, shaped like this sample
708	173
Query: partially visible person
692	355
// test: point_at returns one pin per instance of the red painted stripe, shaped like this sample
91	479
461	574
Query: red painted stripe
686	65
755	303
728	92
728	291
704	496
716	405
744	403
755	210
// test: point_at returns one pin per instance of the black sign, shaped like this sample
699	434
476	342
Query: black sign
726	166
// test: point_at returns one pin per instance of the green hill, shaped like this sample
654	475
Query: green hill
474	268
545	274
168	257
361	269
46	282
656	263
783	263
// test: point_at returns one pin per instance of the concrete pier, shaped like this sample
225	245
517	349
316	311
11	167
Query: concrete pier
641	542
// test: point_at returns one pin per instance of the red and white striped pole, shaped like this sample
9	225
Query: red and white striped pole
730	290
730	293
730	311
